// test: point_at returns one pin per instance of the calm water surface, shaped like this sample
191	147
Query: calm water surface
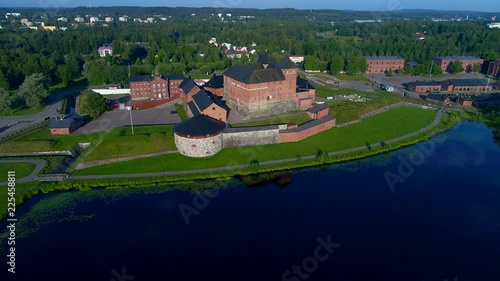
439	220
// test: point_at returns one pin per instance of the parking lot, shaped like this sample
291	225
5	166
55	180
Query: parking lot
121	118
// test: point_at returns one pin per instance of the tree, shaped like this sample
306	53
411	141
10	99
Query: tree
356	65
33	90
390	72
3	81
5	101
457	67
476	67
96	104
205	69
64	74
337	65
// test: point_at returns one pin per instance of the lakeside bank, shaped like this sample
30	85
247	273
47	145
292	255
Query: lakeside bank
26	191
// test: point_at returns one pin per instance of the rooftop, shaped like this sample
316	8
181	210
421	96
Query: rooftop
215	82
383	58
317	108
426	83
304	84
203	100
254	73
458	58
187	85
437	97
266	59
193	108
199	126
65	123
468	82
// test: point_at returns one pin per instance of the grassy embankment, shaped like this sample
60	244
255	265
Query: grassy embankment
181	112
372	130
22	170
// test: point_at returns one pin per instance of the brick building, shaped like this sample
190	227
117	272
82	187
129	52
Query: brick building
382	64
465	102
265	88
65	126
494	68
155	87
467	85
215	85
438	98
425	86
468	63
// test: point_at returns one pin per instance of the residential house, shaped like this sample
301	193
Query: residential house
65	126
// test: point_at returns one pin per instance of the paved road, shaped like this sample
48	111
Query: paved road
40	164
12	124
437	120
121	118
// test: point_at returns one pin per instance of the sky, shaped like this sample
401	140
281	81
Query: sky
370	5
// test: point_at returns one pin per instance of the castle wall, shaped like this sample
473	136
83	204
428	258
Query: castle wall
199	147
236	137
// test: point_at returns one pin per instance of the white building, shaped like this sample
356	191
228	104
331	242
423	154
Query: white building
62	19
94	19
108	19
494	25
123	19
105	51
79	19
12	15
150	20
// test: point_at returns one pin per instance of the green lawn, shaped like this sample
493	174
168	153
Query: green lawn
375	129
42	140
181	112
82	102
120	142
351	77
22	170
298	119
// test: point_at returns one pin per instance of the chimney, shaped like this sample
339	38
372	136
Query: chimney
156	71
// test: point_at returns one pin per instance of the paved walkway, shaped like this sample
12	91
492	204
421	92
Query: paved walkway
40	164
437	120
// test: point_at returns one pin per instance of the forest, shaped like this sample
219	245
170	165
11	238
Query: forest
180	44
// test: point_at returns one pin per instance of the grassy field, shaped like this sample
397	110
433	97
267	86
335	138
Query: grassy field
120	142
22	170
297	118
42	140
196	75
82	103
345	110
375	129
181	112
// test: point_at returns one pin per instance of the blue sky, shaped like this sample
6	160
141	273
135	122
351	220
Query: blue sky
379	5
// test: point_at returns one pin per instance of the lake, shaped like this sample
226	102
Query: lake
426	212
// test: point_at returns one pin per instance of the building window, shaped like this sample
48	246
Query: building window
213	107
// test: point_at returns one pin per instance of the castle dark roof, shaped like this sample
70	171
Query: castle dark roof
285	63
187	85
203	100
254	73
468	82
266	59
304	84
199	126
215	82
193	108
65	123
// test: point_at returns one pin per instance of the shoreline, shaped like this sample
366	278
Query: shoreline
82	183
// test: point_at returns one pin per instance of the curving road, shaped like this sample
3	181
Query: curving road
436	121
40	164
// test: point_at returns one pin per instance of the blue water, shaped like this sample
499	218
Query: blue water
442	222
